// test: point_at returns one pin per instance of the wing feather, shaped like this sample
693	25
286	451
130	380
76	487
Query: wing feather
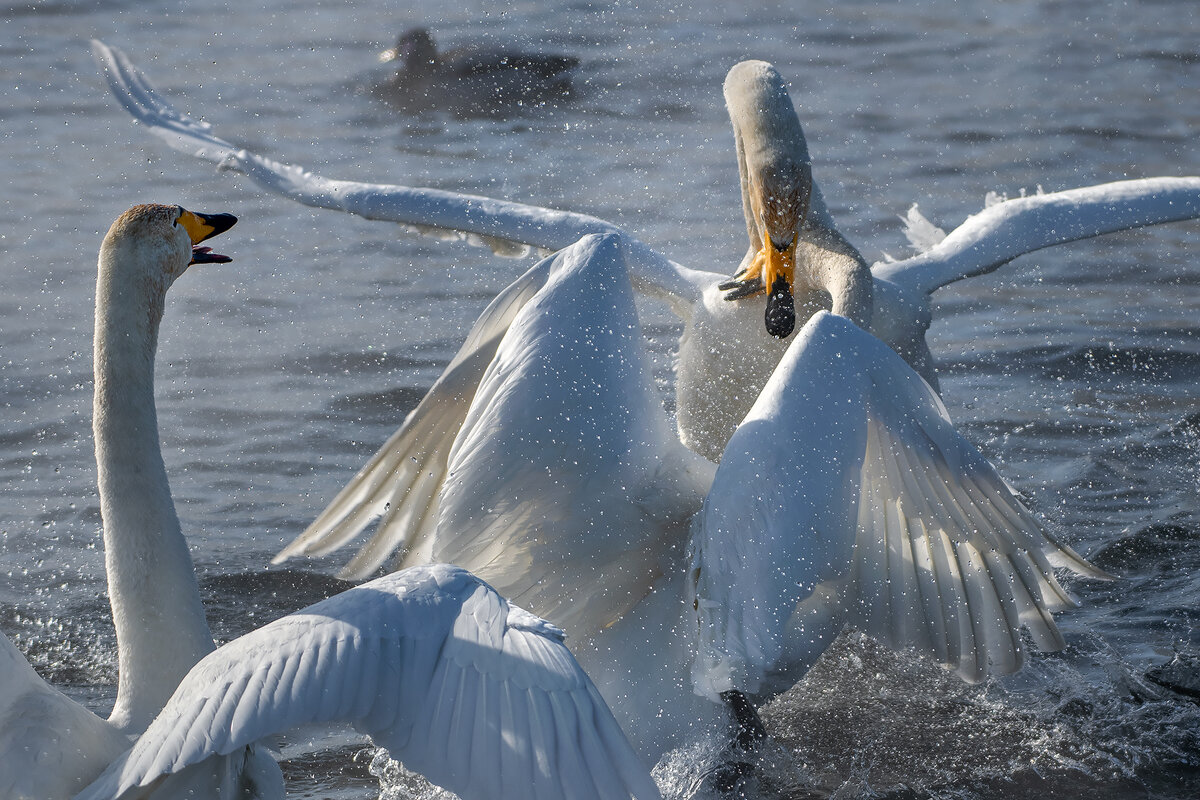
469	681
418	450
507	228
970	545
944	558
1000	233
1005	230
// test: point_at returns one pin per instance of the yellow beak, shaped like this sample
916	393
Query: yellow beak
204	226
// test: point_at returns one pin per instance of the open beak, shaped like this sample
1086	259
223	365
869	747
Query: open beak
205	226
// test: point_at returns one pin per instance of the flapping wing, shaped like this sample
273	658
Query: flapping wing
947	558
480	697
511	229
848	475
401	482
1001	232
779	519
562	486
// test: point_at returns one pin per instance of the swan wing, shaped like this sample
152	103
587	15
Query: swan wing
508	228
1001	232
50	746
401	482
948	560
849	474
565	483
479	696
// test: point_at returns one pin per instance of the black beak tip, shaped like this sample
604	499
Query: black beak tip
220	223
781	310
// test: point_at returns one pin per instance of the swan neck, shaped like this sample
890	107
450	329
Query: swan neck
159	619
836	266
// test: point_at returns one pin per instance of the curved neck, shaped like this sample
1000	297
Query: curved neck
159	619
835	266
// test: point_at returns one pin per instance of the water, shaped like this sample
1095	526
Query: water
1073	368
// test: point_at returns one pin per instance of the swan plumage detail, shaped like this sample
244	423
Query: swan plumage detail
477	695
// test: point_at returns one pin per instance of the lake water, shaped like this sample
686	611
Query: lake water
1075	369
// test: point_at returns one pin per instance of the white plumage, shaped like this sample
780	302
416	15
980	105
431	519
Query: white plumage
50	746
566	488
479	696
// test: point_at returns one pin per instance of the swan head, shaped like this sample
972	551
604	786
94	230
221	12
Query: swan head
144	252
157	243
777	186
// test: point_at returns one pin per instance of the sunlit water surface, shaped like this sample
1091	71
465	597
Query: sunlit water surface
1074	368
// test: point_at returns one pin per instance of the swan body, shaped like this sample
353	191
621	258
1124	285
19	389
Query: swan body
477	695
681	581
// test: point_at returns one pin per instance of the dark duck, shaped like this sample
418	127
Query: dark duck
476	78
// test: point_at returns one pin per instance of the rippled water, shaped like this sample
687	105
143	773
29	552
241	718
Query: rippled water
1074	368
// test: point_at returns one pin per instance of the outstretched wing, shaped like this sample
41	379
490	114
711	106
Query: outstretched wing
1001	232
848	478
480	697
401	483
508	228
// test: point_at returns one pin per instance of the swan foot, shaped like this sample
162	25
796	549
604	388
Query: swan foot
736	289
750	729
737	764
748	281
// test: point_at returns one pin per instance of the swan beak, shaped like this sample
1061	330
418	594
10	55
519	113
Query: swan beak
205	226
779	274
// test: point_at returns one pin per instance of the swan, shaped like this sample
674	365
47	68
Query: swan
845	498
478	77
482	698
725	352
413	627
159	620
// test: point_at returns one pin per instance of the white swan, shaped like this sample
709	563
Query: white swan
844	498
479	696
370	656
50	746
